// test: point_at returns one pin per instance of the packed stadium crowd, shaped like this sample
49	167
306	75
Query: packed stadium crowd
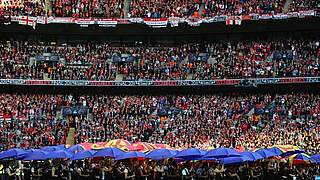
85	8
245	7
23	8
302	5
164	8
238	120
31	121
206	121
168	169
197	61
154	9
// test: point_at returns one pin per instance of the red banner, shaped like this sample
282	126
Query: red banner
35	82
156	22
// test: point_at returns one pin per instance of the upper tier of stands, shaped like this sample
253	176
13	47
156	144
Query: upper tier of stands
151	8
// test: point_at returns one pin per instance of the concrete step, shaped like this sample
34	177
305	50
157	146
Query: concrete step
48	7
126	8
119	77
189	77
287	6
185	61
45	76
201	8
70	139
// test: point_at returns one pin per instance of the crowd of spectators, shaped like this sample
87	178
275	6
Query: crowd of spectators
155	63
242	7
164	8
202	121
204	61
78	63
304	5
280	58
151	8
86	8
205	8
23	7
31	121
248	121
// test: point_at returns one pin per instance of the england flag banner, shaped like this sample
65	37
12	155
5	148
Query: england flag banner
28	21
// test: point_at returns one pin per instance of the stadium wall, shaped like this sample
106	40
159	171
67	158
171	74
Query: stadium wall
140	32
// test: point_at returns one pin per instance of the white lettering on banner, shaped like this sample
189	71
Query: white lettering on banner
106	21
136	20
62	20
194	22
70	83
12	81
196	83
209	20
265	16
293	14
14	18
106	25
84	21
308	13
214	19
302	14
280	16
267	81
44	20
159	83
313	80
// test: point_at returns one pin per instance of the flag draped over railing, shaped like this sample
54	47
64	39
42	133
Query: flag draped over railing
153	22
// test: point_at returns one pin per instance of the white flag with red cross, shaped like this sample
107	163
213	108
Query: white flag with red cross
28	21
